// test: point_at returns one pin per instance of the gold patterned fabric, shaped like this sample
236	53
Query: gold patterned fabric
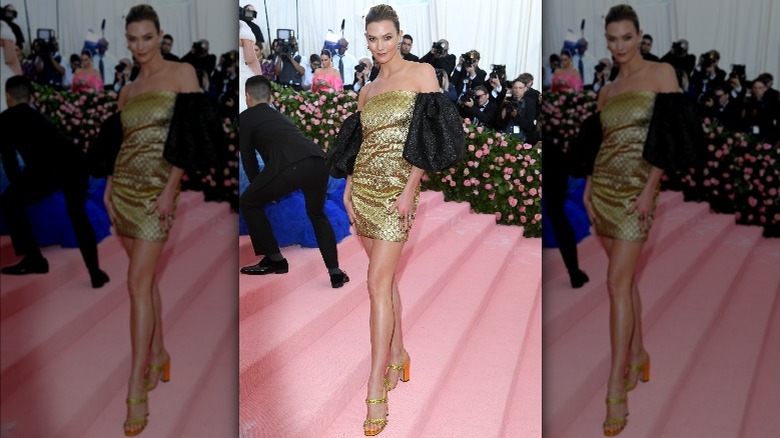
620	173
140	171
381	172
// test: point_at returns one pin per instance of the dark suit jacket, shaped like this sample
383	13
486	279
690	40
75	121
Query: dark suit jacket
45	151
458	77
410	57
485	114
278	140
446	63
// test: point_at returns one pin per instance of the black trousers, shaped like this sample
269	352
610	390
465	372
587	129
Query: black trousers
311	176
556	183
31	188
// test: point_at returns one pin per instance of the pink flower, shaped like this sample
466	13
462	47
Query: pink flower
478	154
512	201
532	192
467	183
471	136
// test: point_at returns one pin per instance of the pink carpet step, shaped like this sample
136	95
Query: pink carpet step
565	308
675	338
196	361
718	384
486	367
271	337
436	341
62	395
256	292
26	343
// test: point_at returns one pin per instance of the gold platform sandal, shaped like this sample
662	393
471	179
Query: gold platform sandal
164	373
643	368
620	422
130	422
382	422
404	377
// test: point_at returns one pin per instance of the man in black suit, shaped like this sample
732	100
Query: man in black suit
439	57
292	162
647	45
480	109
467	74
406	48
50	162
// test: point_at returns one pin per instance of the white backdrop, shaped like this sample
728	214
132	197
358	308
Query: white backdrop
744	32
185	20
503	31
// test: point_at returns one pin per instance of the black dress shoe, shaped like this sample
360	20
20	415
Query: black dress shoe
98	278
578	279
266	266
338	280
28	265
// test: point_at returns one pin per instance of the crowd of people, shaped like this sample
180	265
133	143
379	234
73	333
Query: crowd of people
487	99
729	99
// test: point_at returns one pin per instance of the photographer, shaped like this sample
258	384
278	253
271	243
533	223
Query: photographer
518	111
601	73
476	105
362	73
200	58
439	57
445	86
760	113
720	108
707	75
289	71
48	69
467	74
496	84
680	59
314	63
122	74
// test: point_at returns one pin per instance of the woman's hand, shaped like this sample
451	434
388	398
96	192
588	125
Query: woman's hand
643	206
348	202
107	202
403	206
163	208
586	201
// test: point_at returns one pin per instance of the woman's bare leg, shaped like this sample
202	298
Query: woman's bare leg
623	259
398	354
383	259
144	256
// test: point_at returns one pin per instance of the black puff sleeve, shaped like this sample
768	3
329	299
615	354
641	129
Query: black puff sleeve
102	153
436	139
195	136
341	156
675	137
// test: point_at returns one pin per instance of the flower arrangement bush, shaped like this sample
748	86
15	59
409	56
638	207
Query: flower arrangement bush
499	176
739	175
79	116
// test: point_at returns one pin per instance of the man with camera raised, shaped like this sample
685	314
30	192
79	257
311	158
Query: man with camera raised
439	57
496	83
467	74
200	58
519	110
476	105
48	67
706	75
679	57
362	74
289	71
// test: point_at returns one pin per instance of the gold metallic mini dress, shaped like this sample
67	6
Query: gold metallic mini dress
620	173
140	171
381	172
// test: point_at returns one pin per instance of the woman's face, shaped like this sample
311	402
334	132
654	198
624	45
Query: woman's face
86	61
258	52
623	40
565	61
382	38
143	40
325	59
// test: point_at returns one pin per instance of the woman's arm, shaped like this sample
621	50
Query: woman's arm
250	58
9	53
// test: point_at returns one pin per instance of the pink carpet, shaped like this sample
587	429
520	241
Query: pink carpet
472	315
711	313
66	348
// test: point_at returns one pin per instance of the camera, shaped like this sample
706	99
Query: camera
510	104
286	43
120	67
245	14
677	47
199	48
438	48
498	71
600	67
469	95
360	67
469	58
707	60
6	14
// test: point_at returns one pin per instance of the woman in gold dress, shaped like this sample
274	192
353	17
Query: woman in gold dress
386	157
141	199
620	198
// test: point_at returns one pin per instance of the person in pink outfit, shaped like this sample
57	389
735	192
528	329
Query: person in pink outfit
326	78
87	78
566	78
